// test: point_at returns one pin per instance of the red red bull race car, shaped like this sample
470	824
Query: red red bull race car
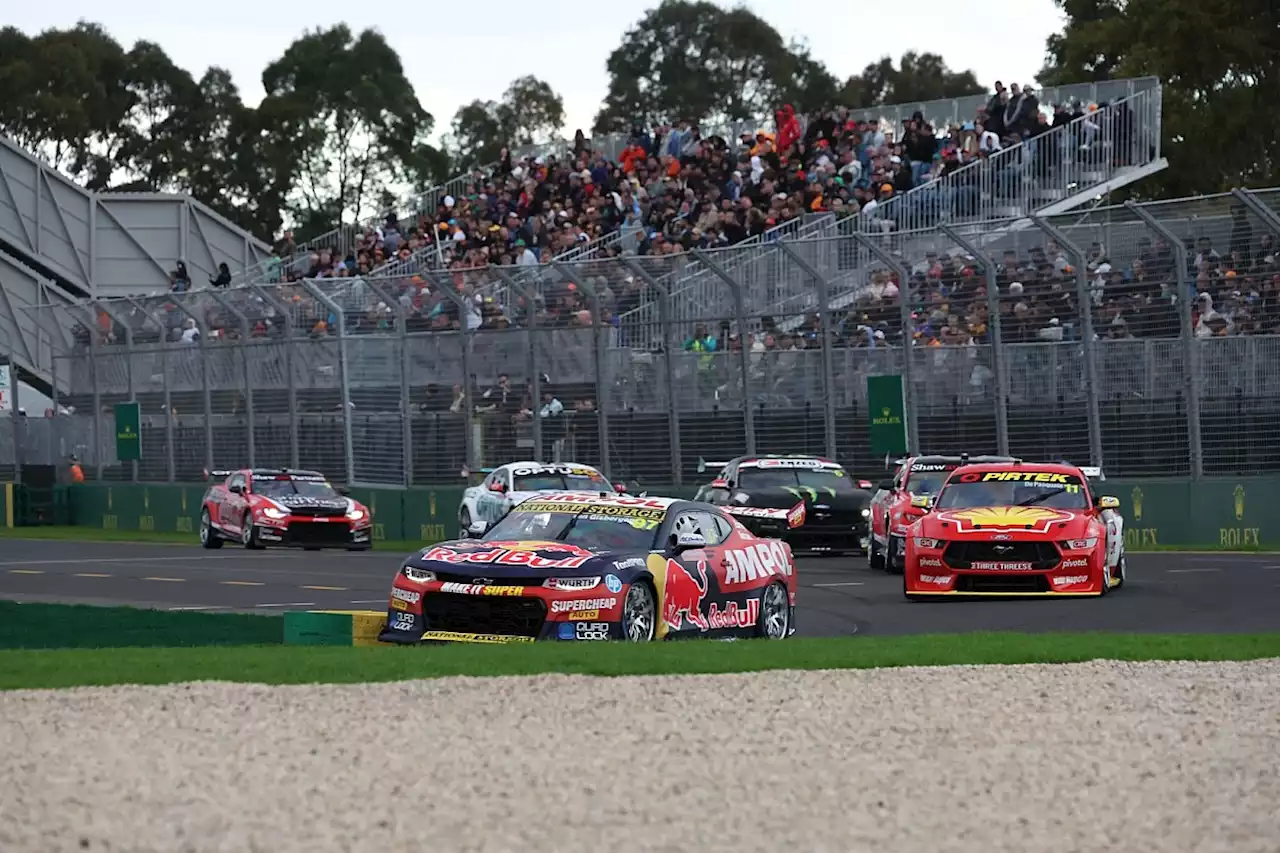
1015	529
260	507
573	566
891	509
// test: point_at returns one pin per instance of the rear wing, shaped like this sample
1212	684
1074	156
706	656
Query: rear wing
762	521
218	475
703	465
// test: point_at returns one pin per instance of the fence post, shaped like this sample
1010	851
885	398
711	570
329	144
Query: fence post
1186	334
348	449
202	346
668	363
123	323
824	326
290	342
13	412
1085	305
535	368
246	330
1266	214
406	423
908	338
465	336
744	363
170	462
597	340
993	333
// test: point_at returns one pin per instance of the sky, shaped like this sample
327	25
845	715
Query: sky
452	57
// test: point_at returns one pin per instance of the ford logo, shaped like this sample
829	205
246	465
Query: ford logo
482	581
1003	549
1002	536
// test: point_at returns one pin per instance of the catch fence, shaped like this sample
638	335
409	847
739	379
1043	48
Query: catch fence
1096	357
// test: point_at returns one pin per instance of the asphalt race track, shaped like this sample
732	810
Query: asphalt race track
1173	593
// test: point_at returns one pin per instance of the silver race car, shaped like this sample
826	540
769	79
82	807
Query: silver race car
505	486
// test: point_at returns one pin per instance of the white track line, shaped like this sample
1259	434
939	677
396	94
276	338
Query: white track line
96	560
1190	571
202	607
844	583
293	604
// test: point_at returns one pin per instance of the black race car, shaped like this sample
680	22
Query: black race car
837	506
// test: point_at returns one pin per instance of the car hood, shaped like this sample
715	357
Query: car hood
305	502
1011	522
526	561
785	499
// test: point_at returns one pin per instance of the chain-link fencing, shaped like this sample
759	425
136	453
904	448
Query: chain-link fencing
1145	338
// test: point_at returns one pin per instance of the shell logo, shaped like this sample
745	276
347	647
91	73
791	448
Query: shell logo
1037	519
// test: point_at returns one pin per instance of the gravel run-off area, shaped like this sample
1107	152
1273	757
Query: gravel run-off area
1088	757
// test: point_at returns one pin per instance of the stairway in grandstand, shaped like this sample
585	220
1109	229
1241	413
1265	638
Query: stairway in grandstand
60	242
1007	187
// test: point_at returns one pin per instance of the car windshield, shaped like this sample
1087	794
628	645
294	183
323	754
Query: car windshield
594	528
1065	491
287	486
926	482
830	481
562	481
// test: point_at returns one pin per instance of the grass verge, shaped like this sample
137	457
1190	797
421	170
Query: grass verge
94	534
302	665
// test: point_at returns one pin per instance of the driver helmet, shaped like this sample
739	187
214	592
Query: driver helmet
537	525
687	524
1022	494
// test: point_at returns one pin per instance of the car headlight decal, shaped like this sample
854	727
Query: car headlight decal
928	544
1080	544
272	512
418	575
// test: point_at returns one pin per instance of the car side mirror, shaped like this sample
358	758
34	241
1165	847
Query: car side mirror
497	487
719	484
924	502
477	528
1108	502
887	485
343	490
620	488
681	542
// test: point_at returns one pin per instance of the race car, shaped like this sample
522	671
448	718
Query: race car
837	506
891	509
278	506
1015	529
574	566
508	485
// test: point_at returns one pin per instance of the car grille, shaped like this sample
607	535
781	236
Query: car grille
474	614
478	572
322	533
1010	583
317	512
1041	555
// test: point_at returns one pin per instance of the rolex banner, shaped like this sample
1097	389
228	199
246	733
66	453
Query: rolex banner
128	432
887	416
6	392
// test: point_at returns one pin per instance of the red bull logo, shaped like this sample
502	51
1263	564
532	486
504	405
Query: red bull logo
513	554
683	596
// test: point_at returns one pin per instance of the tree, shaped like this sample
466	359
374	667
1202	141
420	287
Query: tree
697	61
341	106
530	111
1217	62
917	77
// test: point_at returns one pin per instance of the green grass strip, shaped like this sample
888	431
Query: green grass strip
301	665
69	533
82	626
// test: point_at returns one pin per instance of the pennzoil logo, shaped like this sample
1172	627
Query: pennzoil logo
1032	518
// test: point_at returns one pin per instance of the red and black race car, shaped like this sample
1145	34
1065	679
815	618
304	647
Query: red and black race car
259	507
1015	529
891	509
574	566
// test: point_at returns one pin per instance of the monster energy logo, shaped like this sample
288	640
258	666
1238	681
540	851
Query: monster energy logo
802	491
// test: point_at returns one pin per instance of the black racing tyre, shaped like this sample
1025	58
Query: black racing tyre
909	596
209	537
249	534
464	523
875	557
1124	570
774	622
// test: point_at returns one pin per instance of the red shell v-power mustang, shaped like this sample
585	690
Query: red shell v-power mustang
259	507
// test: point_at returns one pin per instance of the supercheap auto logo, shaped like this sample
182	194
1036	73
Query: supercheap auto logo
1032	518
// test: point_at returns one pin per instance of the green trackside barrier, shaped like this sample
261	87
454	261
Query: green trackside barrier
333	627
80	626
6	504
1238	513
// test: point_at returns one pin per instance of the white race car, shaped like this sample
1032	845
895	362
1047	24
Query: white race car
1115	525
504	487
